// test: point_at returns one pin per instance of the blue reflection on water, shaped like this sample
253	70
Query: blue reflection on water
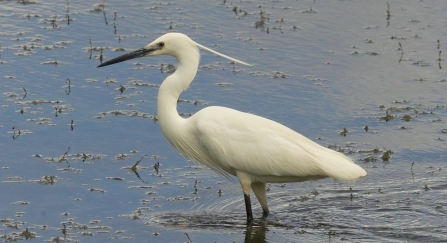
317	78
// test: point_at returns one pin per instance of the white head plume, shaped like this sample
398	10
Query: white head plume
222	55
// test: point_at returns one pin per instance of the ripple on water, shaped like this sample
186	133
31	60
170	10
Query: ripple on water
389	210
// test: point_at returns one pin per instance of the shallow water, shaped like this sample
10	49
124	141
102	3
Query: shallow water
319	67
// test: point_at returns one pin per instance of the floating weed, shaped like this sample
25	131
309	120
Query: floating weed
45	180
413	112
371	27
369	159
182	114
84	157
407	118
59	159
118	49
387	117
398	38
344	132
371	155
44	120
97	8
278	74
223	84
421	63
371	53
27	234
332	233
416	36
20	203
122	156
97	190
131	113
178	199
399	109
334	146
23	54
194	102
386	155
141	83
156	157
95	48
24	2
375	151
54	62
310	10
368	53
167	68
14	179
10	94
313	78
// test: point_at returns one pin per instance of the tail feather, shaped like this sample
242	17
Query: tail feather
340	167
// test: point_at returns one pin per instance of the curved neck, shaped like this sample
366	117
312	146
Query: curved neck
170	90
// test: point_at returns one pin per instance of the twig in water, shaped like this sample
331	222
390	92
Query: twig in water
14	135
189	239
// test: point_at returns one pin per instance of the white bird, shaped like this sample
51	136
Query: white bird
255	149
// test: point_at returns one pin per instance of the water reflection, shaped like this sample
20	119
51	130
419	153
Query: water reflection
255	234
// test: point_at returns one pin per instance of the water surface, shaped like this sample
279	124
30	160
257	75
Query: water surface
319	67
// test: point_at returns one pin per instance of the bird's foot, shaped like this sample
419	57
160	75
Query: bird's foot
265	213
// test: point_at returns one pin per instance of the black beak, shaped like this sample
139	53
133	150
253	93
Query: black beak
135	54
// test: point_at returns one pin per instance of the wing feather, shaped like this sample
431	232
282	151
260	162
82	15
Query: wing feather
240	141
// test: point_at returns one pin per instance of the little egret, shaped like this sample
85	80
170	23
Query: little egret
255	149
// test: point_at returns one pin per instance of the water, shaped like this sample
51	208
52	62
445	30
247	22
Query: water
319	67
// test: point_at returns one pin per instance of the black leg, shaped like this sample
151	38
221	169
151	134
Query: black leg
264	213
248	209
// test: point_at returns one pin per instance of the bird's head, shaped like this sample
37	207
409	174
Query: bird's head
171	44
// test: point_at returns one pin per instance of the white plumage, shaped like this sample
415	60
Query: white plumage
255	149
